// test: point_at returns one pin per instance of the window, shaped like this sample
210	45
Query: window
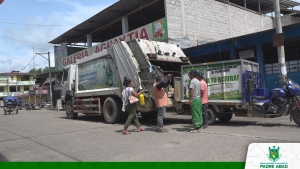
25	78
13	89
26	88
292	57
1	89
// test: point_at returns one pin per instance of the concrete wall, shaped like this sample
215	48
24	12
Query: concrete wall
288	20
210	20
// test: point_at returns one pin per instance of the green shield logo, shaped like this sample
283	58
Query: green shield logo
274	154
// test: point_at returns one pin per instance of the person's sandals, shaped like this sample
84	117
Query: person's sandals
140	129
126	132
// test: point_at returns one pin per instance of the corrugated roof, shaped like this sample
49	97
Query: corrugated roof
107	24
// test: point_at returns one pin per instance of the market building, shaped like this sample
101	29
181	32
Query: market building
188	23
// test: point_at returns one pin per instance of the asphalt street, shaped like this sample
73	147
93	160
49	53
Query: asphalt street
43	135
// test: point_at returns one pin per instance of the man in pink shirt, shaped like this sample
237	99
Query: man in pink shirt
204	96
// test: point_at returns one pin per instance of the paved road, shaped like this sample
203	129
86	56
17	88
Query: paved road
43	135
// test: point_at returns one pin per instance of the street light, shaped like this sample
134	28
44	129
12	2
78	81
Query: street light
41	54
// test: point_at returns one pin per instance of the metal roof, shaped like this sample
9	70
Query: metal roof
261	6
107	24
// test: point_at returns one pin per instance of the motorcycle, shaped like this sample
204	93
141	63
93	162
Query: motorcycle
280	101
32	106
28	107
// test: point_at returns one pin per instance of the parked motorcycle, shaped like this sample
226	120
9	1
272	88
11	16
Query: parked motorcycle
280	101
28	107
32	106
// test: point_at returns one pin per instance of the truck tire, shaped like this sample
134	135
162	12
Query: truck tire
149	115
181	110
224	118
296	116
211	116
70	110
112	110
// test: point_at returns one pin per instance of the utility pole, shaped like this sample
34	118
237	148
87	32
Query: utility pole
50	81
49	69
280	48
8	86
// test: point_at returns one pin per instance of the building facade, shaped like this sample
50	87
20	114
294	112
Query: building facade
256	47
14	83
201	25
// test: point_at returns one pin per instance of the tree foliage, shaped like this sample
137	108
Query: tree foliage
41	70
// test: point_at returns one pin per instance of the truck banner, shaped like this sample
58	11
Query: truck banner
223	80
97	74
157	31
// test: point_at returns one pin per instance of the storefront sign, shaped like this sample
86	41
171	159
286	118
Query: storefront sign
246	54
32	93
60	52
157	31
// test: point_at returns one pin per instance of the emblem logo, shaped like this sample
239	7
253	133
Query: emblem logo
274	154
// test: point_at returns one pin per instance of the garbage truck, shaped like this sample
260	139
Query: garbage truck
94	84
237	87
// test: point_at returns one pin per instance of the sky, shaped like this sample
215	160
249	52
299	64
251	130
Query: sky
26	27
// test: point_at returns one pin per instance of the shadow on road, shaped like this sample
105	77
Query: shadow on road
7	114
235	123
184	120
2	158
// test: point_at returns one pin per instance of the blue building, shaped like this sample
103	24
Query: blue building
257	47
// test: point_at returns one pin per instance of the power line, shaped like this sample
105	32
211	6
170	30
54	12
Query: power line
28	63
10	56
25	41
32	24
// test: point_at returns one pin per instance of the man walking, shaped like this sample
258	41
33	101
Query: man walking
195	101
204	97
161	99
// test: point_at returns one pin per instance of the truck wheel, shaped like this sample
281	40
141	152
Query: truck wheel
112	110
226	117
296	116
181	110
149	115
70	110
211	116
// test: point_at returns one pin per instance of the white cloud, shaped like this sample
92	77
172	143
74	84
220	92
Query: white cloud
42	34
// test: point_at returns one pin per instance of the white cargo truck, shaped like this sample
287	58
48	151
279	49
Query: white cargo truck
94	84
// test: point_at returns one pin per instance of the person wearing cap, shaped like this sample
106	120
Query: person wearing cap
195	101
204	97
